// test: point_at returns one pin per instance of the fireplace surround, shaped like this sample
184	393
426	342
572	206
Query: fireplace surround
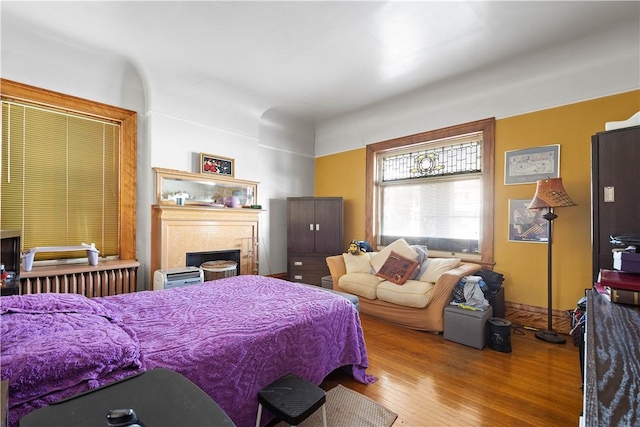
198	226
178	230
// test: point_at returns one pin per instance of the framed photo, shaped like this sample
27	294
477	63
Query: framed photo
527	225
531	164
216	165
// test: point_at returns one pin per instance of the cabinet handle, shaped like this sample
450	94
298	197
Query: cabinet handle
317	227
297	277
297	263
310	227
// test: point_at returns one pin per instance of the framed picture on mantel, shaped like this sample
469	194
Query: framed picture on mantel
216	165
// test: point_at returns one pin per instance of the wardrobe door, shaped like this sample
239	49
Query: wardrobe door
301	226
615	177
328	223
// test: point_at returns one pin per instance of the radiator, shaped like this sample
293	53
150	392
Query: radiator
91	282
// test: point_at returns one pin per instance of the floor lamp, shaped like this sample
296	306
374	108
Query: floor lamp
550	194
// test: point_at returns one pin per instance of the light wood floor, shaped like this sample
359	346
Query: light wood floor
429	381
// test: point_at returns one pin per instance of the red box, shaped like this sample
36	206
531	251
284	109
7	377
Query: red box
620	280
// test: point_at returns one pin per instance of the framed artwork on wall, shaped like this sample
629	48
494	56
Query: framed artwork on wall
531	164
216	165
526	225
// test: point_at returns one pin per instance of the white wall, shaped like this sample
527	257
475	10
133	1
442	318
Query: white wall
605	64
174	126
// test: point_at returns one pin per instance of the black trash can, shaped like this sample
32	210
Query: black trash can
499	334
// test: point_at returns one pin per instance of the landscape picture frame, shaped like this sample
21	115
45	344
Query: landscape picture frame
216	165
529	165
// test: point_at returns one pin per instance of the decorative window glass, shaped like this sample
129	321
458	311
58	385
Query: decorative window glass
431	194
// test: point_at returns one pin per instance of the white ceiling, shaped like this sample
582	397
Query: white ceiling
328	58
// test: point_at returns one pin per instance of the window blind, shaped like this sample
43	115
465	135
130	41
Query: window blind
60	179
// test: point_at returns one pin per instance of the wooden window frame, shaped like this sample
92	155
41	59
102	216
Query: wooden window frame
128	142
487	127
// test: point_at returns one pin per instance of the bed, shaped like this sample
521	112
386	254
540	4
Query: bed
231	337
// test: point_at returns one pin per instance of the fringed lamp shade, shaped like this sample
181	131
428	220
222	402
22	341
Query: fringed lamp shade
550	193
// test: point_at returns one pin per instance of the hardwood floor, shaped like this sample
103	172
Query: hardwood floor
429	381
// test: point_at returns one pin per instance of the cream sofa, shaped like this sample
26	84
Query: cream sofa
418	303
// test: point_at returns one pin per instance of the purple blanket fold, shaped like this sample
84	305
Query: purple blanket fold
231	337
55	346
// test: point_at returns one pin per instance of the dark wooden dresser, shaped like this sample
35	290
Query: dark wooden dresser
612	363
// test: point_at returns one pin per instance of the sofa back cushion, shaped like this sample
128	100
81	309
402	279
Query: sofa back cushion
357	263
400	246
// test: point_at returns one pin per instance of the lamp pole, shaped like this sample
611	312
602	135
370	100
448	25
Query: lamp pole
549	335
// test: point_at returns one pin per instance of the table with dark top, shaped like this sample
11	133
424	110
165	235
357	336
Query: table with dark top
160	397
612	365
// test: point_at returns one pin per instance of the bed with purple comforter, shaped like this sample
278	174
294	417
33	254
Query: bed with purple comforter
231	337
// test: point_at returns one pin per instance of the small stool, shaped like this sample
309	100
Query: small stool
292	400
468	327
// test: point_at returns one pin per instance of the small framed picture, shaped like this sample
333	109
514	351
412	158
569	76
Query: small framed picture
216	165
526	225
529	165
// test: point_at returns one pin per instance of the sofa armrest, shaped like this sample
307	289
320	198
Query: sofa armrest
337	269
442	292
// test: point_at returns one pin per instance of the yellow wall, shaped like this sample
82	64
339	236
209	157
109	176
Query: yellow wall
344	175
523	264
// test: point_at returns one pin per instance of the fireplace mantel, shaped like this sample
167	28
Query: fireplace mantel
177	230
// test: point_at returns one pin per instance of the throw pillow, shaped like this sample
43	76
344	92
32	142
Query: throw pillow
437	266
400	246
423	256
357	263
397	269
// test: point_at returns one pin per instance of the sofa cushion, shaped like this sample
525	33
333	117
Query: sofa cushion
361	284
397	269
357	263
412	294
423	255
436	267
400	246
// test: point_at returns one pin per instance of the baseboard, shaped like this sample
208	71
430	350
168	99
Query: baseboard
536	317
533	309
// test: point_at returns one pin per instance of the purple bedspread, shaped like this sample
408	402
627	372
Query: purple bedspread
58	345
233	336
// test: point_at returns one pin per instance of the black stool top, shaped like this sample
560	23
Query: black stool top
292	399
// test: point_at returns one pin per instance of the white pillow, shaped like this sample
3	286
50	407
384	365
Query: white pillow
357	263
400	246
437	266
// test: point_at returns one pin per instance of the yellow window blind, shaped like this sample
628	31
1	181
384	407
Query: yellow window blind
60	179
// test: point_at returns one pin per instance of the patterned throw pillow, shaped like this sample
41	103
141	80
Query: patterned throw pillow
400	247
397	269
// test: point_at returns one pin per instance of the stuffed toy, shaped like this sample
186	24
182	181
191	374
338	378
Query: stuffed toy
354	248
365	246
